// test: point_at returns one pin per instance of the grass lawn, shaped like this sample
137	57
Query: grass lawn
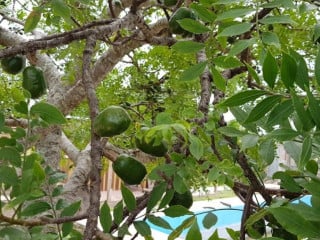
216	195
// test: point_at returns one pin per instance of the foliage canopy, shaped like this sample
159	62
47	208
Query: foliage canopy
258	61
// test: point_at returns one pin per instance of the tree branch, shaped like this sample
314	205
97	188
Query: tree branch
95	153
61	39
69	148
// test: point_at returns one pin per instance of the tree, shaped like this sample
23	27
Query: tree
178	76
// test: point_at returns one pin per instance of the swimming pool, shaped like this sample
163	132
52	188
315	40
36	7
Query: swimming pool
225	217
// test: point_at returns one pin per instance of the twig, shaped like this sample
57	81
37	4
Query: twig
10	19
41	221
246	213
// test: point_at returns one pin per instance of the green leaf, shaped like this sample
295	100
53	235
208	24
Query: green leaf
270	69
67	228
310	213
202	12
279	3
156	195
71	209
193	72
305	152
235	235
32	20
166	199
105	217
11	155
303	115
184	225
2	120
38	172
57	177
27	172
242	98
234	13
167	169
17	233
159	221
213	175
280	113
209	220
256	217
48	113
227	62
60	8
194	232
292	222
35	208
193	26
317	67
118	213
240	46
302	77
196	147
281	19
267	151
248	141
313	188
253	73
178	184
224	2
188	46
21	107
262	108
312	166
293	149
218	79
287	181
316	33
235	29
288	70
314	107
57	191
176	211
142	227
270	38
283	134
231	132
8	175
164	118
128	198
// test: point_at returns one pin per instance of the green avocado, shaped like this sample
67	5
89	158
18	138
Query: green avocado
181	13
150	146
112	121
13	65
170	3
129	169
33	81
184	199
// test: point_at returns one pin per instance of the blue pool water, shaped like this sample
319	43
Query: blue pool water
226	217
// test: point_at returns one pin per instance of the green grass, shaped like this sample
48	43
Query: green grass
216	195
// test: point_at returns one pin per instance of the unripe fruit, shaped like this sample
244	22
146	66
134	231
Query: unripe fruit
181	13
13	65
149	145
33	81
129	169
112	121
184	199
